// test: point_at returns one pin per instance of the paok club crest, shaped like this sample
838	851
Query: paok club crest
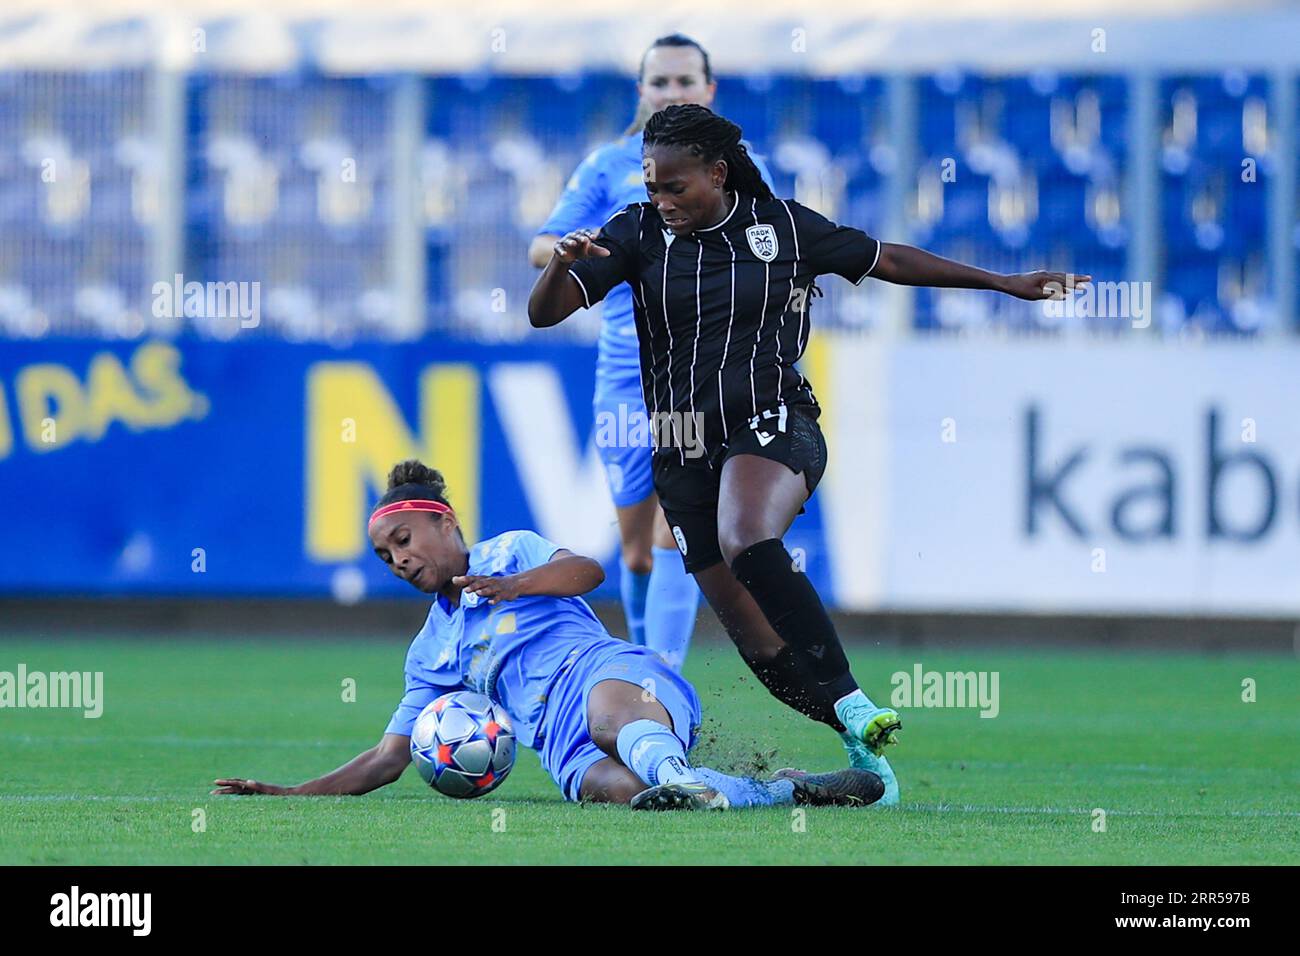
762	241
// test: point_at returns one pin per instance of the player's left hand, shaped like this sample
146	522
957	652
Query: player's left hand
579	244
1036	286
496	588
241	787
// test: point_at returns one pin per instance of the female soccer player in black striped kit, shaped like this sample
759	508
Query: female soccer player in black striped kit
721	273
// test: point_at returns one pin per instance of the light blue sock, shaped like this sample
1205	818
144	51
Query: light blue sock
746	791
854	697
633	588
670	608
653	752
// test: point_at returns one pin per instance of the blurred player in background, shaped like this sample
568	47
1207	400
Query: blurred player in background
612	722
724	272
660	599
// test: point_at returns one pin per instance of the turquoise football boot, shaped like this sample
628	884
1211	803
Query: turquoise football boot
863	759
876	727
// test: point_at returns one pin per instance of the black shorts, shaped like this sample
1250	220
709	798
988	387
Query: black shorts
689	493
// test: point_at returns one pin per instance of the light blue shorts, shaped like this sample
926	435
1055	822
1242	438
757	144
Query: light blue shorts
566	749
627	459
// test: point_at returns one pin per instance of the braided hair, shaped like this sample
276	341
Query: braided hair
711	137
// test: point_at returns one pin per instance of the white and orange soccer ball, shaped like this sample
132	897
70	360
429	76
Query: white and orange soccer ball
463	745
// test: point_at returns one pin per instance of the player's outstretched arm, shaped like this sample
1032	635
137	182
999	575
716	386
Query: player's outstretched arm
377	767
565	575
908	265
555	295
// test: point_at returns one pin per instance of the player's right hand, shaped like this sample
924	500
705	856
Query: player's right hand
579	244
242	787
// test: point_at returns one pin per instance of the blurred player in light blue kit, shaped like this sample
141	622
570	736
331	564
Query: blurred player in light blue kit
611	721
660	599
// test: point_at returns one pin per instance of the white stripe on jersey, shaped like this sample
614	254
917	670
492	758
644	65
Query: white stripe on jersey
672	402
803	382
758	337
654	379
695	350
585	298
731	316
860	279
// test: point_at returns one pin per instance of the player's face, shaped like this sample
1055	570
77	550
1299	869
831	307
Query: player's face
673	75
421	549
685	190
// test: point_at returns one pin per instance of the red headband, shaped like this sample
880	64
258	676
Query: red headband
414	504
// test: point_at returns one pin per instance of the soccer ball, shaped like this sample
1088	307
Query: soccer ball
463	745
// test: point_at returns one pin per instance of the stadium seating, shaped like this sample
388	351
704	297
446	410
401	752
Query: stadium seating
1033	169
288	181
1213	220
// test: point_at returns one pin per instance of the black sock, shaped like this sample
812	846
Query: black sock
786	678
791	605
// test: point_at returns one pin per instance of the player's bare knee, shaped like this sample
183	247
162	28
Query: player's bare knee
637	558
604	728
608	781
622	787
736	537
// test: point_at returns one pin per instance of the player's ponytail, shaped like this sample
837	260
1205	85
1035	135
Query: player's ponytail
413	480
710	137
643	113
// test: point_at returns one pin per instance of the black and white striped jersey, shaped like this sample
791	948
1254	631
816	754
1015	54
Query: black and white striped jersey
722	313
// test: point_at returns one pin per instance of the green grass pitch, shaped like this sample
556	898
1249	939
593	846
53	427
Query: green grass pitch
1185	771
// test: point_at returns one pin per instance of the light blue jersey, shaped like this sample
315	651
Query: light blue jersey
539	658
512	651
606	181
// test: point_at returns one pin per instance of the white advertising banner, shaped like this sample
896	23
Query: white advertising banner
1063	476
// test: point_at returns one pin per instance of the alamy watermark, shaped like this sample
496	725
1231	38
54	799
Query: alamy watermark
922	688
1100	300
208	300
72	690
129	910
631	426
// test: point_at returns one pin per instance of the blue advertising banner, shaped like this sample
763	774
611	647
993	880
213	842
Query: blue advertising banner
249	467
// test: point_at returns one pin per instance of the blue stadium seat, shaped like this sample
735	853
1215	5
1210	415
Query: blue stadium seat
1211	219
995	126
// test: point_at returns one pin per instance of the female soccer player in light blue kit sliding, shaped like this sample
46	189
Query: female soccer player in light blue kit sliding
660	599
610	720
